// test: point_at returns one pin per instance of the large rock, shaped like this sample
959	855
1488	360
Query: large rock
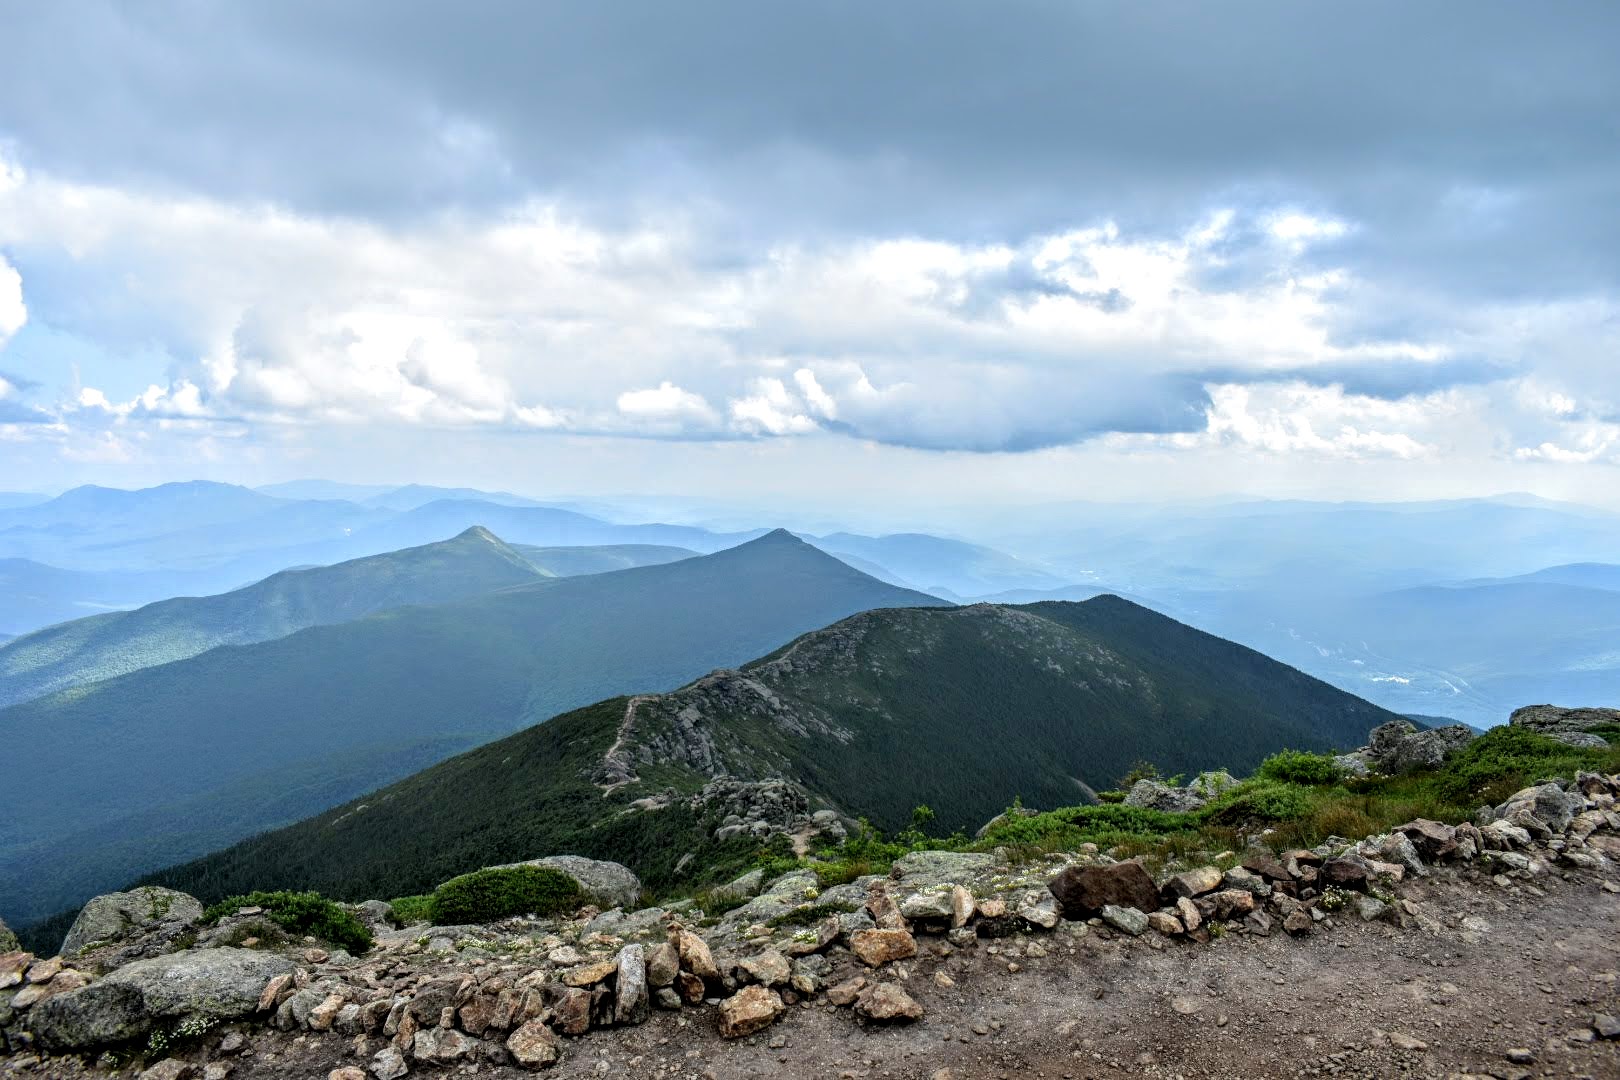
1543	809
879	946
1398	746
1083	891
608	883
222	984
1573	726
923	870
1157	795
120	915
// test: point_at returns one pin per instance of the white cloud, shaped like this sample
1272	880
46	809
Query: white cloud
666	402
13	313
1183	339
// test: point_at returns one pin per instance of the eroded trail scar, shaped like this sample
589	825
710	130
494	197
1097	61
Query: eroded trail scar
616	769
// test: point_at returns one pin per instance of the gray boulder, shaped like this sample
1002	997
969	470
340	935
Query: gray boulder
1157	795
1542	810
1399	747
122	915
1572	726
608	883
222	984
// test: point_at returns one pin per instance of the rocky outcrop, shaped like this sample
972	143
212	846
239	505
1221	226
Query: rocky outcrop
1158	795
1573	726
610	884
205	984
1398	746
147	912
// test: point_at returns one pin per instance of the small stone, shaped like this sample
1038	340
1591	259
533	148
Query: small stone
886	1002
750	1009
663	964
347	1072
389	1064
1127	920
1406	1042
322	1015
1522	1055
43	971
534	1046
1165	923
168	1069
879	946
695	955
846	992
590	974
1195	882
769	968
1606	1026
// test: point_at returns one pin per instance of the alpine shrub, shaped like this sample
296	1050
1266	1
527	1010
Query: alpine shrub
1300	767
497	892
301	913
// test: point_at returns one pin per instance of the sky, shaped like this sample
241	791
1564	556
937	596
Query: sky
896	253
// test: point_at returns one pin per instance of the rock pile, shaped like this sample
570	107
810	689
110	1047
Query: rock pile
518	992
1577	727
1399	747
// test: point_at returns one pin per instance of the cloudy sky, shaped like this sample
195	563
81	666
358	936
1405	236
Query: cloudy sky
905	251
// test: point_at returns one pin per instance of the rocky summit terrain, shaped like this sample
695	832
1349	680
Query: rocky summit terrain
1487	948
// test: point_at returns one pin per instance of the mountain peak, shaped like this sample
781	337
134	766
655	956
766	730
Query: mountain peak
478	532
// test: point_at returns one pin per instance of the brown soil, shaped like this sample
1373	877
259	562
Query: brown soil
1359	1000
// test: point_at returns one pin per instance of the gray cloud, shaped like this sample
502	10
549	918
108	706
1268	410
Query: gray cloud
950	118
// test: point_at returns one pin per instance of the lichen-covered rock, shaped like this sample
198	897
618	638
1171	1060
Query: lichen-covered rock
222	984
116	916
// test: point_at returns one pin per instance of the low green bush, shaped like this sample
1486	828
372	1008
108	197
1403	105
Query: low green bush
1267	800
1300	767
409	910
301	913
1506	758
498	892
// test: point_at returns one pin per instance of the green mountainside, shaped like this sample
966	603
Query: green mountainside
961	709
169	762
600	558
102	646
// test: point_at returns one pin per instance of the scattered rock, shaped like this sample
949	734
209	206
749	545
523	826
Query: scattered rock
534	1046
1083	891
1125	919
877	946
887	1003
750	1009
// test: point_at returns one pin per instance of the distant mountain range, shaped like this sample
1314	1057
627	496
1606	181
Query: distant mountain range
961	709
98	549
103	646
171	761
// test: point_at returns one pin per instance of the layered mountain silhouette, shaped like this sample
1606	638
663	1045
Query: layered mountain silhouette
172	761
961	709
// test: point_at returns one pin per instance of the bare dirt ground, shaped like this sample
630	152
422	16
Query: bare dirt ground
1450	997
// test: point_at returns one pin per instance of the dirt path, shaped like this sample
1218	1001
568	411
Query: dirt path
1362	1000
